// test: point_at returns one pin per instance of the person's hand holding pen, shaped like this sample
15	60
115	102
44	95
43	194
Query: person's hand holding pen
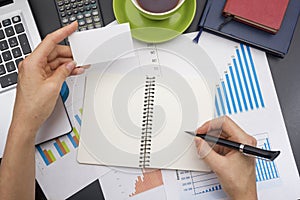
235	171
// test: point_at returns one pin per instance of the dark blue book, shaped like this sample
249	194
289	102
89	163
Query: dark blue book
278	44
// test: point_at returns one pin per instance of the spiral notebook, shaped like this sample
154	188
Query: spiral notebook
137	109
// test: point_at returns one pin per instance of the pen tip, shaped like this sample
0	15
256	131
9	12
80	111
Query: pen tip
190	132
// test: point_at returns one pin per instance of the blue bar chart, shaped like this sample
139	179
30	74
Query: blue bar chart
265	170
47	155
239	88
199	183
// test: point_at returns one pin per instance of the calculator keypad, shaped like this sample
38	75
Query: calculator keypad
86	12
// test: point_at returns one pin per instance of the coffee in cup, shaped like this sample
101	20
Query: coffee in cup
157	9
158	6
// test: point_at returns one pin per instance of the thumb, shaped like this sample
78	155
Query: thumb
63	71
207	154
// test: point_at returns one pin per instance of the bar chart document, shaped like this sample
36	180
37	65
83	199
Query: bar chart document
57	171
246	93
121	183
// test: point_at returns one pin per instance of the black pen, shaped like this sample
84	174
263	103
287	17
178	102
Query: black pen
246	149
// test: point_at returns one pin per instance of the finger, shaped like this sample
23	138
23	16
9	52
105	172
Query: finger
208	155
80	70
85	66
236	133
225	127
217	148
51	40
60	51
204	128
231	128
58	62
77	71
212	127
62	72
222	150
215	124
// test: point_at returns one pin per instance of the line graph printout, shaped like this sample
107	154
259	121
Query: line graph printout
247	94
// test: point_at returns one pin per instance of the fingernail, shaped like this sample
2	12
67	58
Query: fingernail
197	141
86	66
71	65
80	71
199	130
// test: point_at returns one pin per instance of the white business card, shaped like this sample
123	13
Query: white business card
101	44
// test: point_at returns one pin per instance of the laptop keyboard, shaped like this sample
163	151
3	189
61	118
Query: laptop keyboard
14	47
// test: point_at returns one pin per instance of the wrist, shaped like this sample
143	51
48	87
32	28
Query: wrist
26	127
249	195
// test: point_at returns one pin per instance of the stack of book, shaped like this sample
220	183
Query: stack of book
256	23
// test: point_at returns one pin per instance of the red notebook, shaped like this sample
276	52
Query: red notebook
264	14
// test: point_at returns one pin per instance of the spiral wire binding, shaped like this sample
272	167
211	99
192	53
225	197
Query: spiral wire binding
145	148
